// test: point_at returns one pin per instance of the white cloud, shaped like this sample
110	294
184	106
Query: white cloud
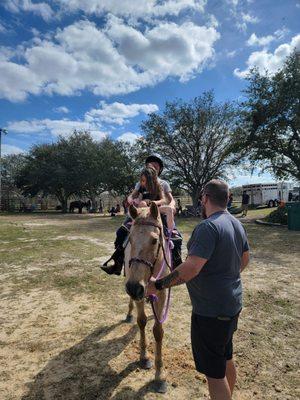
8	150
167	49
118	113
231	54
99	135
129	137
281	33
54	127
139	9
19	6
259	41
266	40
243	19
16	81
62	109
250	19
266	61
116	59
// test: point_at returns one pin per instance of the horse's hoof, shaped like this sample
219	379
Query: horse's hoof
129	319
160	386
146	363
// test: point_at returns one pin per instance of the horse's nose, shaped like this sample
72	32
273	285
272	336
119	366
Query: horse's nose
135	290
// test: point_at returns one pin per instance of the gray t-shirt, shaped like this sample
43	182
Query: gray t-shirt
164	184
217	289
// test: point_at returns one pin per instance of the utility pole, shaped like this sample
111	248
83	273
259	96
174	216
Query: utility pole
4	132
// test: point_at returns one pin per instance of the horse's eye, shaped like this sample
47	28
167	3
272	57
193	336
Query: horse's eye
154	241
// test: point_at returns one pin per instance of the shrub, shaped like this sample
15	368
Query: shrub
278	216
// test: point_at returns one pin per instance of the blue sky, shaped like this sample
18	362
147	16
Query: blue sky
97	65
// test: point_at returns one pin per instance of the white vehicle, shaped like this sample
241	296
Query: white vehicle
269	194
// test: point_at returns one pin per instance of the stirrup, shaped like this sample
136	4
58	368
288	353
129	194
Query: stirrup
106	263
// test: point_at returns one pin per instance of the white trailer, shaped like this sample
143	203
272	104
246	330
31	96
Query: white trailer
269	194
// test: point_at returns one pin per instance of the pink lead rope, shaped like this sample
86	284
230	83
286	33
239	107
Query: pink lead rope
153	298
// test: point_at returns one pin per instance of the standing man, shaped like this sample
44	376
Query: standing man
218	252
245	203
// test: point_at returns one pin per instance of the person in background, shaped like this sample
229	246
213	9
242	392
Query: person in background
112	211
179	207
100	207
118	209
230	200
245	203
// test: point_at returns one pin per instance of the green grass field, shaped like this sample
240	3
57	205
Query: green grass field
62	333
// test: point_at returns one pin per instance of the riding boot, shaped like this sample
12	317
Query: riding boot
176	252
118	258
119	253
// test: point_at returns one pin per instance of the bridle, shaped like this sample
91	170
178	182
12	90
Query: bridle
150	264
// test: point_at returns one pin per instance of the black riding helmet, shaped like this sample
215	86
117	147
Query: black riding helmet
154	158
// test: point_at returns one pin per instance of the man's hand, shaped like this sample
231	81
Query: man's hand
151	289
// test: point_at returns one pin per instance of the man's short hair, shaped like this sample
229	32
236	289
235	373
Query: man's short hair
218	192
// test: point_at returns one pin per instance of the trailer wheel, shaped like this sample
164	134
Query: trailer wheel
276	203
271	204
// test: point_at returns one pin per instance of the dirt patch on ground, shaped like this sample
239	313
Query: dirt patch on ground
63	335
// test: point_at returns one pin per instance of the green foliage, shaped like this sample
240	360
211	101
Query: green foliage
278	216
76	165
194	139
269	133
10	166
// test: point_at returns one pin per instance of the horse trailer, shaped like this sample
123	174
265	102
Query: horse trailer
269	194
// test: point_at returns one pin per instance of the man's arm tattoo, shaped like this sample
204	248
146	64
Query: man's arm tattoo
173	279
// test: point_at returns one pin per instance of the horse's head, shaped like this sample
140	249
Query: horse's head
145	253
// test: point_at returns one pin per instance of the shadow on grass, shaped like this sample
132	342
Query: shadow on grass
82	372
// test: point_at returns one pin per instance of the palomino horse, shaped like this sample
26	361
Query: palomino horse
144	256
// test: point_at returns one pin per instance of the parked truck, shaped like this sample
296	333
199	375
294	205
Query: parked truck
270	194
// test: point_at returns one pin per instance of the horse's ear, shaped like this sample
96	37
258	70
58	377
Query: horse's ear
154	210
133	211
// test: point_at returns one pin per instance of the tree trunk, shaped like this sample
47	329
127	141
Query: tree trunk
195	198
63	199
94	203
64	205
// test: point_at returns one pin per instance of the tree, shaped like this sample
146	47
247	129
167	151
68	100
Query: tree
269	134
48	170
194	139
119	168
11	165
76	165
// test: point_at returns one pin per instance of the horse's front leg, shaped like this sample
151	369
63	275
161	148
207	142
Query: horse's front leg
129	316
158	332
142	321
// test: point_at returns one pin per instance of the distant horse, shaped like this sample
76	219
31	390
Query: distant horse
79	204
144	257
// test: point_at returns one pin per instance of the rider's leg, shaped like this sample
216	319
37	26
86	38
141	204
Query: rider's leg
168	211
118	255
176	239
